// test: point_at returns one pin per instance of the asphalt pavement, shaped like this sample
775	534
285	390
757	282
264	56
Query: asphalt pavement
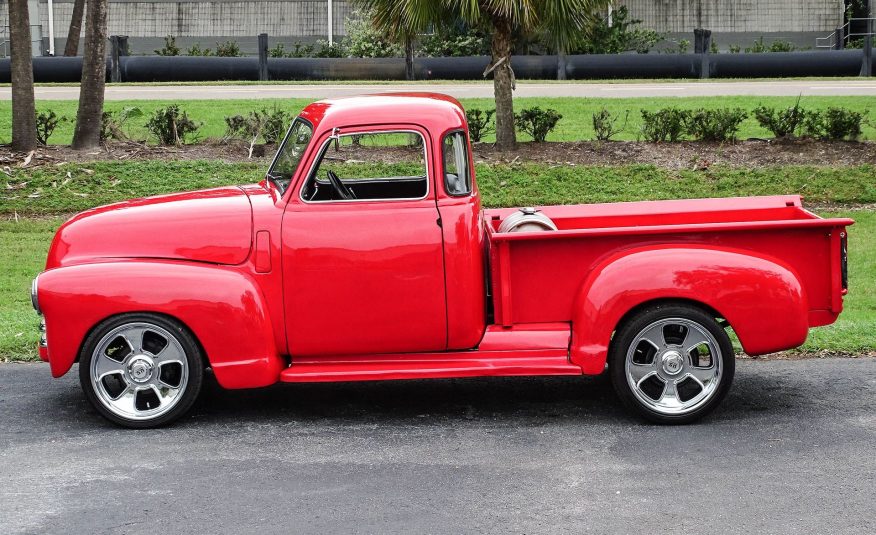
790	451
686	88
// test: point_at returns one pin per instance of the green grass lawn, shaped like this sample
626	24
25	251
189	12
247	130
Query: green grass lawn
75	187
576	124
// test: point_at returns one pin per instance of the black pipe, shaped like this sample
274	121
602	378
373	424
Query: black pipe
609	66
784	64
187	68
595	66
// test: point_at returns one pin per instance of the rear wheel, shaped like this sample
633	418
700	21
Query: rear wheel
141	370
671	363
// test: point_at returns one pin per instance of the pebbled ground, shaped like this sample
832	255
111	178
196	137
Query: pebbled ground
790	451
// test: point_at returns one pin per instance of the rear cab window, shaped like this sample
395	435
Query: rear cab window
457	175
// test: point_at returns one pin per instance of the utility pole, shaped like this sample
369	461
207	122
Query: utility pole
331	37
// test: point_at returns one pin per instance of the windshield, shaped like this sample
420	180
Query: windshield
289	155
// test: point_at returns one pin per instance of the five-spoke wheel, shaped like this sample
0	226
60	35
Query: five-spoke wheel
141	370
672	363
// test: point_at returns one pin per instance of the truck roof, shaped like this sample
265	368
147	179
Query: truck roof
434	111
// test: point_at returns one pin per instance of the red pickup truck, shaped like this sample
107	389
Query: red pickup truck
365	255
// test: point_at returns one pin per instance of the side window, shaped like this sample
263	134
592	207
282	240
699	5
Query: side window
457	178
369	166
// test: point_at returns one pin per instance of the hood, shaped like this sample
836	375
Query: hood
213	225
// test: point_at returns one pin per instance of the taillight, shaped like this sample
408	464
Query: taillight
844	259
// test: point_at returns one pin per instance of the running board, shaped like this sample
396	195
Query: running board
430	365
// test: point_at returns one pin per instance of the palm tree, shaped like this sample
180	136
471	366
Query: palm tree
560	22
23	110
86	135
401	21
72	46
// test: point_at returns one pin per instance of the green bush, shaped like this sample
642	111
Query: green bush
479	123
621	36
269	124
228	49
279	51
667	124
46	122
170	48
833	124
454	41
715	124
537	122
734	49
324	49
605	125
363	41
782	123
112	124
171	126
275	124
196	50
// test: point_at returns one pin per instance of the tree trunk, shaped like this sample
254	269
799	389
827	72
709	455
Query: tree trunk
72	47
506	138
88	119
23	110
409	57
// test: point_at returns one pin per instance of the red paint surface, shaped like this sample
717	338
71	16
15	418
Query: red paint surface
381	290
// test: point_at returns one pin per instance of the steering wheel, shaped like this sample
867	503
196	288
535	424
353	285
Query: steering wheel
339	187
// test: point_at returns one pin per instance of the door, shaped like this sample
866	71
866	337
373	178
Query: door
362	250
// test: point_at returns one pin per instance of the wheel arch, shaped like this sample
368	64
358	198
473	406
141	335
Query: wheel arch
762	300
222	308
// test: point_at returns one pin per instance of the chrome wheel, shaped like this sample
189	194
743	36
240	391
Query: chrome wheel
674	366
139	371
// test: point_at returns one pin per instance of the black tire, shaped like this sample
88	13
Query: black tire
190	386
651	317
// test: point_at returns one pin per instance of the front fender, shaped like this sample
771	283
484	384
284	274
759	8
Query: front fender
763	301
222	306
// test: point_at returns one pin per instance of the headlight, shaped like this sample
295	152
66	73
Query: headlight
34	296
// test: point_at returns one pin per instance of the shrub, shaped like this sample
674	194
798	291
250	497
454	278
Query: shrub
782	123
169	48
454	41
667	124
734	49
713	47
715	124
112	124
833	124
681	46
228	49
274	125
196	50
325	50
778	45
171	126
605	124
621	36
537	122
479	123
269	124
300	51
363	41
757	48
46	122
278	51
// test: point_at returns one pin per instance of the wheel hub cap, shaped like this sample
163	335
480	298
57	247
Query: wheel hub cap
672	362
140	369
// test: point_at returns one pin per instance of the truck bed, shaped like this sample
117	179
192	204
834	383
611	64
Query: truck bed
535	275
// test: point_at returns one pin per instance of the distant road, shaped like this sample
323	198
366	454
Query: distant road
470	90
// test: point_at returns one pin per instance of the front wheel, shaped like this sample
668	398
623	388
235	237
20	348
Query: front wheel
141	370
671	363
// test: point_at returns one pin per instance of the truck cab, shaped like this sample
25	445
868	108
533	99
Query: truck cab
365	254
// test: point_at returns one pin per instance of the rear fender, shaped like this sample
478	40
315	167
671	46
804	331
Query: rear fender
762	300
223	307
